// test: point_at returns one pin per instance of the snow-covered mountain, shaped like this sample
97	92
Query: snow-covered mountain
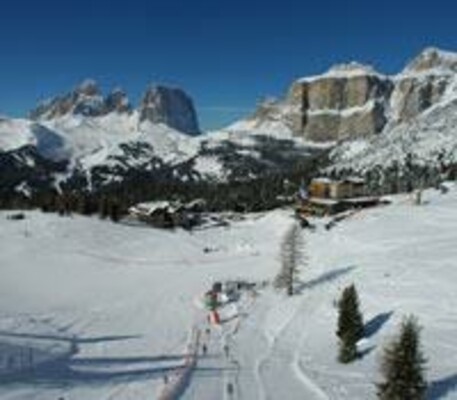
354	100
371	120
422	121
90	140
375	121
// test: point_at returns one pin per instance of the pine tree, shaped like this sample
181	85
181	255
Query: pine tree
292	255
403	365
350	324
103	207
114	210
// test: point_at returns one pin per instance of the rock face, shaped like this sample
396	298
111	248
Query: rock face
169	106
347	101
117	101
86	99
160	105
353	100
422	83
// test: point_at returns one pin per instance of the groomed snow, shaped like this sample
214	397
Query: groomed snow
128	297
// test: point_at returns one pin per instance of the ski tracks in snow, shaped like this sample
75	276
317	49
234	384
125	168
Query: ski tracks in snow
281	363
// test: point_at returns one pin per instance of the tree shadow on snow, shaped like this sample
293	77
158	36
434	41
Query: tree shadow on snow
439	389
125	360
65	371
363	353
375	324
324	278
75	339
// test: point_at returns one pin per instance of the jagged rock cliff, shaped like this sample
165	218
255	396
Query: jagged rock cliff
169	106
422	83
350	100
353	100
160	105
86	99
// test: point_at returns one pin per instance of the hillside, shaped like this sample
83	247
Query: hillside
128	297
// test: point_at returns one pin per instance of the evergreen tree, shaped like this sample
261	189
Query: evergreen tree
348	347
82	204
292	255
350	324
103	207
114	210
403	366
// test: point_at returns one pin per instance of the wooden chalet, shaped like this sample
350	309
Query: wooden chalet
326	196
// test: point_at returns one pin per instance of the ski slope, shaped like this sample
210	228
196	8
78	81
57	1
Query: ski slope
111	308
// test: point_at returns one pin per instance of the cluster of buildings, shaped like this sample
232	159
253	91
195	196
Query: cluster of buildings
169	214
323	196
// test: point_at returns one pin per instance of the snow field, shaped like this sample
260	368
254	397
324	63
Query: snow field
127	296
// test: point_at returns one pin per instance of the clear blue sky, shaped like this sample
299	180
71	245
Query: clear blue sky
226	54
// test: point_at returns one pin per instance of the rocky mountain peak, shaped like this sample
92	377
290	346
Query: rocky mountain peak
353	100
170	106
86	100
433	58
88	87
118	101
160	104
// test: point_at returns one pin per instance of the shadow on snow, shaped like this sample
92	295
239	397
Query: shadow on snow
439	389
375	324
324	278
65	369
74	339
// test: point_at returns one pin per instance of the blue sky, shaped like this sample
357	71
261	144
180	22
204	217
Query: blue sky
227	55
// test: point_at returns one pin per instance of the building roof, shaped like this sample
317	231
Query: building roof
349	179
323	202
354	179
322	179
153	206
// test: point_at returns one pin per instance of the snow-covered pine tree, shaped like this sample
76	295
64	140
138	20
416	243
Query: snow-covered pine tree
403	365
350	324
292	256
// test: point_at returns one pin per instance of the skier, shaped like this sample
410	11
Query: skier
204	349
226	350
230	389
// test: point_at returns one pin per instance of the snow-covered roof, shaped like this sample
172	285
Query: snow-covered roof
322	179
150	207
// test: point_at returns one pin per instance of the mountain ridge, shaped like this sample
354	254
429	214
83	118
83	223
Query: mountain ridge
352	108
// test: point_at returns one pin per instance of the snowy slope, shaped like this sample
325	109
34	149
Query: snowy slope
15	134
128	297
87	140
431	138
100	142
